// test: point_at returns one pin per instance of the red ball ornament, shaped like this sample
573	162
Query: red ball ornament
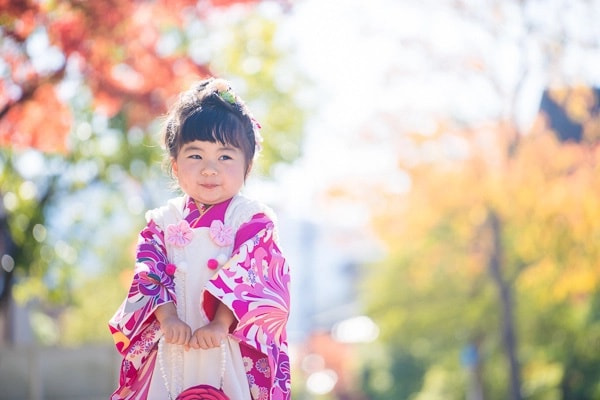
170	269
212	263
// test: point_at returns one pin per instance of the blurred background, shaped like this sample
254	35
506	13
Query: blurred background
435	165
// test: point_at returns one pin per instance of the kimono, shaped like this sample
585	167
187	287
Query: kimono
252	279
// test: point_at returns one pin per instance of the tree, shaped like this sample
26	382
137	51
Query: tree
83	86
452	240
462	221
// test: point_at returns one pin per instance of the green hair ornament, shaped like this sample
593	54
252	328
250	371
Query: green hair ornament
223	90
227	96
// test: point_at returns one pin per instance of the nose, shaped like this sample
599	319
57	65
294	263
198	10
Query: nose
209	169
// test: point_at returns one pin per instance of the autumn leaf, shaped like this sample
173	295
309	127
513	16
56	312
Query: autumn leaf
112	45
28	125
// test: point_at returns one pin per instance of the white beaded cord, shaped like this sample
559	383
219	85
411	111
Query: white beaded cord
174	380
161	364
223	363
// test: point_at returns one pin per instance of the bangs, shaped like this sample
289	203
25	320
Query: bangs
213	125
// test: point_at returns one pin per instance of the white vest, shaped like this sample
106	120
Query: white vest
181	369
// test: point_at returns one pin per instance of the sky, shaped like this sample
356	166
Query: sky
419	61
392	67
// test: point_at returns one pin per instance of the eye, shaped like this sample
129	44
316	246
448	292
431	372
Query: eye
195	157
225	157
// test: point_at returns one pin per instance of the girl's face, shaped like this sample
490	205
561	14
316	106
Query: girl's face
210	173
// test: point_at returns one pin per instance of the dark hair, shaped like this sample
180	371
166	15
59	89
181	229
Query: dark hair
209	111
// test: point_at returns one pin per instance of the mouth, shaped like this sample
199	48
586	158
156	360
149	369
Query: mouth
209	185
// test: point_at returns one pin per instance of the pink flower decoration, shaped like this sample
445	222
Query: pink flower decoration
221	234
179	235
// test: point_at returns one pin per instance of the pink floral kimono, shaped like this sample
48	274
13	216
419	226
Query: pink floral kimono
247	273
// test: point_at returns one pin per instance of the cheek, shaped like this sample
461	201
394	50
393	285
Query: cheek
243	171
236	173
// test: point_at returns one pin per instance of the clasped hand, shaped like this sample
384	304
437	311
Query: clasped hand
178	332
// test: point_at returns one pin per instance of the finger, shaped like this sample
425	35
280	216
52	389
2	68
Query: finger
186	345
193	342
177	339
168	336
204	344
197	344
181	339
184	335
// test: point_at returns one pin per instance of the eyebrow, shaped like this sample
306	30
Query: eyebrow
197	148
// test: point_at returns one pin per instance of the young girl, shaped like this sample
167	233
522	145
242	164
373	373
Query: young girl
209	301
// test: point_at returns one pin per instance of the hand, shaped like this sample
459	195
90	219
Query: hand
209	336
174	329
212	334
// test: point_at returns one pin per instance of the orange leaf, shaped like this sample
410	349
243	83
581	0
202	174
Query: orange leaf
28	125
107	104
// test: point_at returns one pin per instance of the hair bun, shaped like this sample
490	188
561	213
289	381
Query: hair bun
220	85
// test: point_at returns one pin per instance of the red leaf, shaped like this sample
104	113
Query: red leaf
28	124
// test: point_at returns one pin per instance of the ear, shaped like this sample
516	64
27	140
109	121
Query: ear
248	170
174	167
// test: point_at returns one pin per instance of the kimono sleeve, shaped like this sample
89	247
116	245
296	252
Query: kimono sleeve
151	286
255	285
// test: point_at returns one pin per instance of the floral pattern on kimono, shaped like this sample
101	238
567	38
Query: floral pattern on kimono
254	283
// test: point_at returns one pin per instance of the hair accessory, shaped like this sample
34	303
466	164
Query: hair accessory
227	96
224	91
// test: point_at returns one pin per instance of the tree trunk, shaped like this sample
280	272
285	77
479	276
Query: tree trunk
7	249
504	290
